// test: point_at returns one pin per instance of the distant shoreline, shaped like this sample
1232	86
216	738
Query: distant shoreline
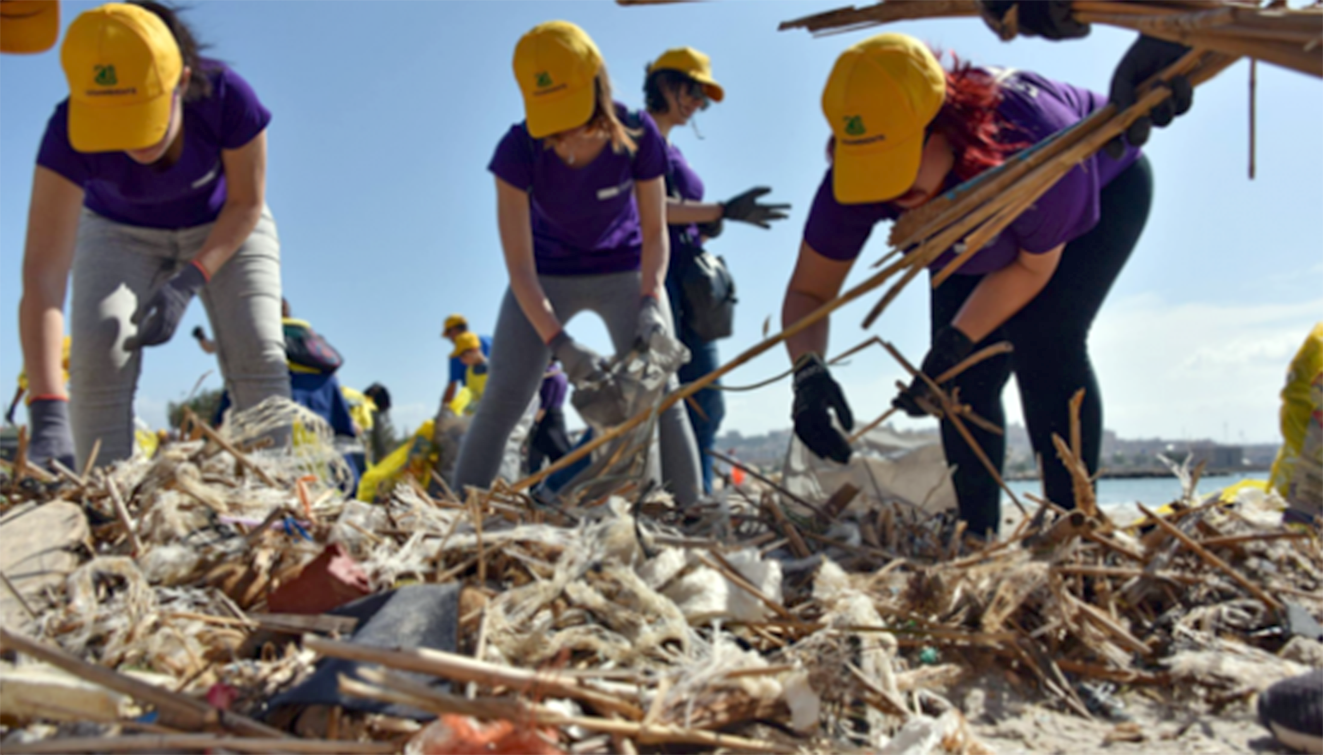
1151	472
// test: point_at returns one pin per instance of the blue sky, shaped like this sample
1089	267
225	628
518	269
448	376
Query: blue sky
386	113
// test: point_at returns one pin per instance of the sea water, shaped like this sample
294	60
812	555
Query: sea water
1120	495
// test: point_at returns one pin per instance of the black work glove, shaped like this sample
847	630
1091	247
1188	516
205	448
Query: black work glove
51	436
950	347
746	209
1146	57
710	230
158	318
582	364
815	393
199	333
1049	19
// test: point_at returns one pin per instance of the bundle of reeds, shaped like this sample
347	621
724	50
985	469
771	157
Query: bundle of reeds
1288	37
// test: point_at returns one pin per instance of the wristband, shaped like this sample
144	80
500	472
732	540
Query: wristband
206	276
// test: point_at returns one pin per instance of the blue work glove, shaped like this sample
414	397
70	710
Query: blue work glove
582	364
815	393
1146	57
650	322
158	318
950	347
51	436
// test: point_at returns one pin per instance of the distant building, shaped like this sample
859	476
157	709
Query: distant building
1217	456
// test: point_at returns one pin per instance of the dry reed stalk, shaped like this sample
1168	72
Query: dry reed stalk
1202	552
1254	538
177	710
229	447
719	564
1129	573
91	458
122	513
464	669
201	742
395	689
755	474
1124	676
783	523
18	596
1107	624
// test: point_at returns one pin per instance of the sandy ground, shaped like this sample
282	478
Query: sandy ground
1004	721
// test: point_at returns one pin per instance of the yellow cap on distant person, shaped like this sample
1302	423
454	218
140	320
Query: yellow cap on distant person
881	95
452	322
466	342
28	26
556	64
123	66
693	64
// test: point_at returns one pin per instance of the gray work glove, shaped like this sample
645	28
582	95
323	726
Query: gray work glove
746	209
158	318
51	436
651	322
582	364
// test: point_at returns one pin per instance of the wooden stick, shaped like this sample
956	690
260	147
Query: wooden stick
797	545
1212	560
91	458
182	712
203	742
238	455
464	669
1253	69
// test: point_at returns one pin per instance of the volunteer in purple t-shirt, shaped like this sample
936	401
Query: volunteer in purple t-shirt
581	210
679	84
549	440
904	130
149	189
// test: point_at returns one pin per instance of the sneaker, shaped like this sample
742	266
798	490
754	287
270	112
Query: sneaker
1292	710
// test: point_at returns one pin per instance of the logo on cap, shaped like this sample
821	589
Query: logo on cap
854	125
105	76
543	80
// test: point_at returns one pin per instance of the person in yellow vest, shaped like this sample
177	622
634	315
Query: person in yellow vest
29	26
468	349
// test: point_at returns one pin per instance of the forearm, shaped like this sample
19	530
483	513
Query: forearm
41	329
656	257
232	228
1003	293
535	305
449	395
681	212
814	338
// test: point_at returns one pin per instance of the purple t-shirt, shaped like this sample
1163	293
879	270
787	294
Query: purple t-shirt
554	387
686	185
192	191
1036	108
585	220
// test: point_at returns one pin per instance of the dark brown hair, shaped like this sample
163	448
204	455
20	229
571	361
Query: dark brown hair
199	86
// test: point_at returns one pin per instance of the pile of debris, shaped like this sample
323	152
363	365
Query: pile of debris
229	598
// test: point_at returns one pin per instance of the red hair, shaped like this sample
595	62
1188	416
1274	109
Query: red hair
969	121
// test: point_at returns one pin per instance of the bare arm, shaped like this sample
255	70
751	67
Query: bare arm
516	227
245	187
47	258
449	395
651	198
682	212
1003	293
816	281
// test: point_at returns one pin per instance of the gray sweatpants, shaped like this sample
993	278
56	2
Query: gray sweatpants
519	357
116	267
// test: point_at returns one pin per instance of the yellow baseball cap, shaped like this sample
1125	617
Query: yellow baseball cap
555	65
693	64
123	66
29	25
453	321
465	342
881	95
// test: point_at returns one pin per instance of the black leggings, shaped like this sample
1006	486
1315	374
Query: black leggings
1051	357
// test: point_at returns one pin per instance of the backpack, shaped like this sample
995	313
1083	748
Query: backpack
304	347
707	290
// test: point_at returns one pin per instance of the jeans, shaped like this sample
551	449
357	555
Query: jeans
116	267
1051	357
519	359
710	403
